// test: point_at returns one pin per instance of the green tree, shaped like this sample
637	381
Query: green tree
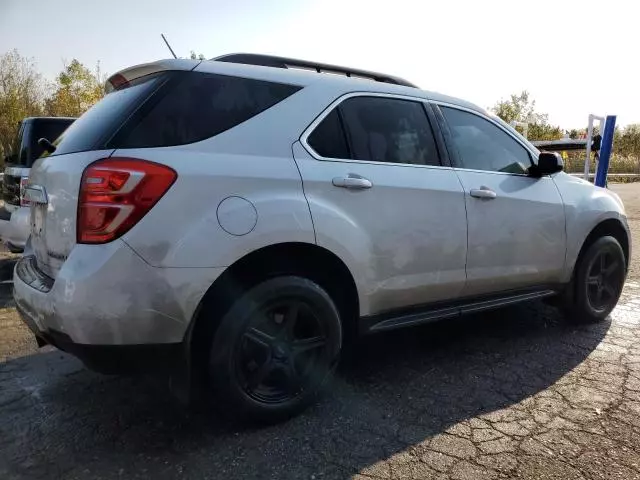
626	141
574	134
22	92
193	56
76	89
521	108
540	131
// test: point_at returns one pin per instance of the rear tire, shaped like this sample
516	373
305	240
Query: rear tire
275	348
598	280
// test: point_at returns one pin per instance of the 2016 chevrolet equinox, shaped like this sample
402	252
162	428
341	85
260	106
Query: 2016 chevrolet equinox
241	216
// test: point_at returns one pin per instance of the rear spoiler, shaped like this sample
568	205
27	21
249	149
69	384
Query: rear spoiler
123	77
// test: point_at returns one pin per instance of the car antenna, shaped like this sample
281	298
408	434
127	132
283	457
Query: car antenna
168	46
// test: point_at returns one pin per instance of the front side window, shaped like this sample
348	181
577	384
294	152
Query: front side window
377	129
482	145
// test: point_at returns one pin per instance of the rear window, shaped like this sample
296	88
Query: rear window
49	129
25	149
200	106
93	129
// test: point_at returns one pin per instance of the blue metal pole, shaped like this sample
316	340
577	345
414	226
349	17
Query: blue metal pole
605	151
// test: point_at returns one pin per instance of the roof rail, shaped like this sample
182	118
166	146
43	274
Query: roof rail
283	62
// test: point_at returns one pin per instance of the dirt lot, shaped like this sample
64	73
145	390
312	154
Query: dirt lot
515	393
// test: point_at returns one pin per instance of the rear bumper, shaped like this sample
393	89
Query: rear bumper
107	296
113	359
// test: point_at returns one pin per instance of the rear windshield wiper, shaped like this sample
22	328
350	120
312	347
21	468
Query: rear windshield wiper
46	145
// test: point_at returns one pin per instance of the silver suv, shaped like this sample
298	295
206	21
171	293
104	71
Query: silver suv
237	220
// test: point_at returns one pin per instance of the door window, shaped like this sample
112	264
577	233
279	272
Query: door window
328	139
482	145
377	129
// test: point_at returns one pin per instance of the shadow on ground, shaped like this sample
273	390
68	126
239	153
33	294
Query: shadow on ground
57	419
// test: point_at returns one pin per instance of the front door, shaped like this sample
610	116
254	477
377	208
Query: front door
381	200
516	223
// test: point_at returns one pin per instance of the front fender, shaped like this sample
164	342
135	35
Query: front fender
586	206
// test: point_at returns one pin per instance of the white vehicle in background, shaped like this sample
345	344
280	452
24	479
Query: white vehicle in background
14	219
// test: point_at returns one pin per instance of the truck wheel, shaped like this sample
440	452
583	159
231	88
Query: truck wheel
275	349
598	281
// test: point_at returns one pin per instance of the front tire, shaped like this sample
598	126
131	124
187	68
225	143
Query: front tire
275	349
598	281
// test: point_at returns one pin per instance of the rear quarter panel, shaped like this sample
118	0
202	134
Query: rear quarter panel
183	229
252	161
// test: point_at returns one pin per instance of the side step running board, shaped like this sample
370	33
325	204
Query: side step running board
391	322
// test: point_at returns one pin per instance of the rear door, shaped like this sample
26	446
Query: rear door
516	223
381	198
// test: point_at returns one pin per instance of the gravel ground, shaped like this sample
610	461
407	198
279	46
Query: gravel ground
515	393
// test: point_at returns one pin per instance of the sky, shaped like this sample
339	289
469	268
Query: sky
574	57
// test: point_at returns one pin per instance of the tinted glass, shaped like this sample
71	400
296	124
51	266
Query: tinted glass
92	129
49	129
328	139
200	106
389	130
483	145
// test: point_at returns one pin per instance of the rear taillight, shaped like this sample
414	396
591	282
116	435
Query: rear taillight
116	193
23	185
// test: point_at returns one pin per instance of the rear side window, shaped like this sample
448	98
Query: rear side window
97	125
200	106
328	139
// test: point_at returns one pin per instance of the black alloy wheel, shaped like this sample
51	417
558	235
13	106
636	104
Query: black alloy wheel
282	347
604	281
275	348
598	281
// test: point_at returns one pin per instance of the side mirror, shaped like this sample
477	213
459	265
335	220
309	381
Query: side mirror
548	163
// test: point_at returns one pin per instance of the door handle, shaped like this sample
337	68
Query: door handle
483	192
352	182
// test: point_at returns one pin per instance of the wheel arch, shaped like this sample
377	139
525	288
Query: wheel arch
607	227
304	259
